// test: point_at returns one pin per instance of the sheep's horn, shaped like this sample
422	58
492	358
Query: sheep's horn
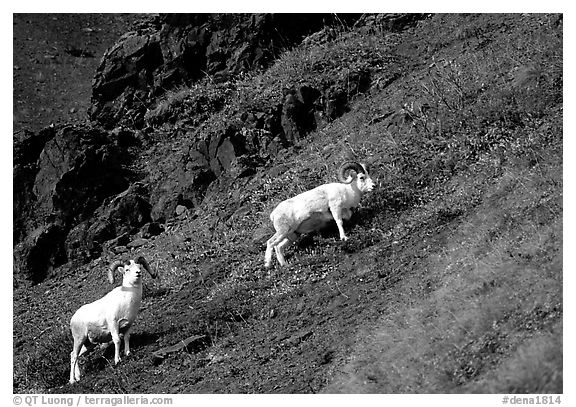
347	166
141	260
112	270
366	168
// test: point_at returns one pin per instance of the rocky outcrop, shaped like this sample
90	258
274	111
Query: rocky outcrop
181	179
121	215
26	152
175	49
78	168
297	118
61	176
39	252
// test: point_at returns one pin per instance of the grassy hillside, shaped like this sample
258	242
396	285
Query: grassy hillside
451	281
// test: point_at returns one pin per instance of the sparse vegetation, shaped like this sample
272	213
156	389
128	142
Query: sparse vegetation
451	281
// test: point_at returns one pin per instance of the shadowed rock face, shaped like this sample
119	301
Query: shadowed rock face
77	169
118	216
61	177
175	49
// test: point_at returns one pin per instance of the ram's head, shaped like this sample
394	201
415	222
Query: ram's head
131	270
352	171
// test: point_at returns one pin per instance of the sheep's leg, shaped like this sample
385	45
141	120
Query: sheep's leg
268	255
278	249
270	245
116	339
337	215
74	368
79	350
127	342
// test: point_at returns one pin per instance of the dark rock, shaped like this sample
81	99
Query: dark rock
120	216
185	344
226	155
182	186
124	137
298	113
120	241
255	141
29	145
27	149
174	49
292	109
59	188
75	244
338	96
151	229
182	179
120	249
39	253
139	242
274	147
180	209
78	168
123	77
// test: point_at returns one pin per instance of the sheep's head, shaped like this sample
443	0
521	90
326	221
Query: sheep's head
362	178
132	271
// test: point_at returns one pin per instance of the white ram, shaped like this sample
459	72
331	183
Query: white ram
110	317
313	209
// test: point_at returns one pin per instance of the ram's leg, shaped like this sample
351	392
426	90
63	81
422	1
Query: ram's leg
127	342
117	341
271	245
278	248
337	215
268	255
74	368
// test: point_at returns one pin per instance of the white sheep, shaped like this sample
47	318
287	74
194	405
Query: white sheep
313	209
110	317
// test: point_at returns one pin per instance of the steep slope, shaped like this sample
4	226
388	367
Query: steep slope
452	278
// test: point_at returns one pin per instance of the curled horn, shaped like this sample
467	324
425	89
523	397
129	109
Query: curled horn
366	167
142	261
347	166
112	270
